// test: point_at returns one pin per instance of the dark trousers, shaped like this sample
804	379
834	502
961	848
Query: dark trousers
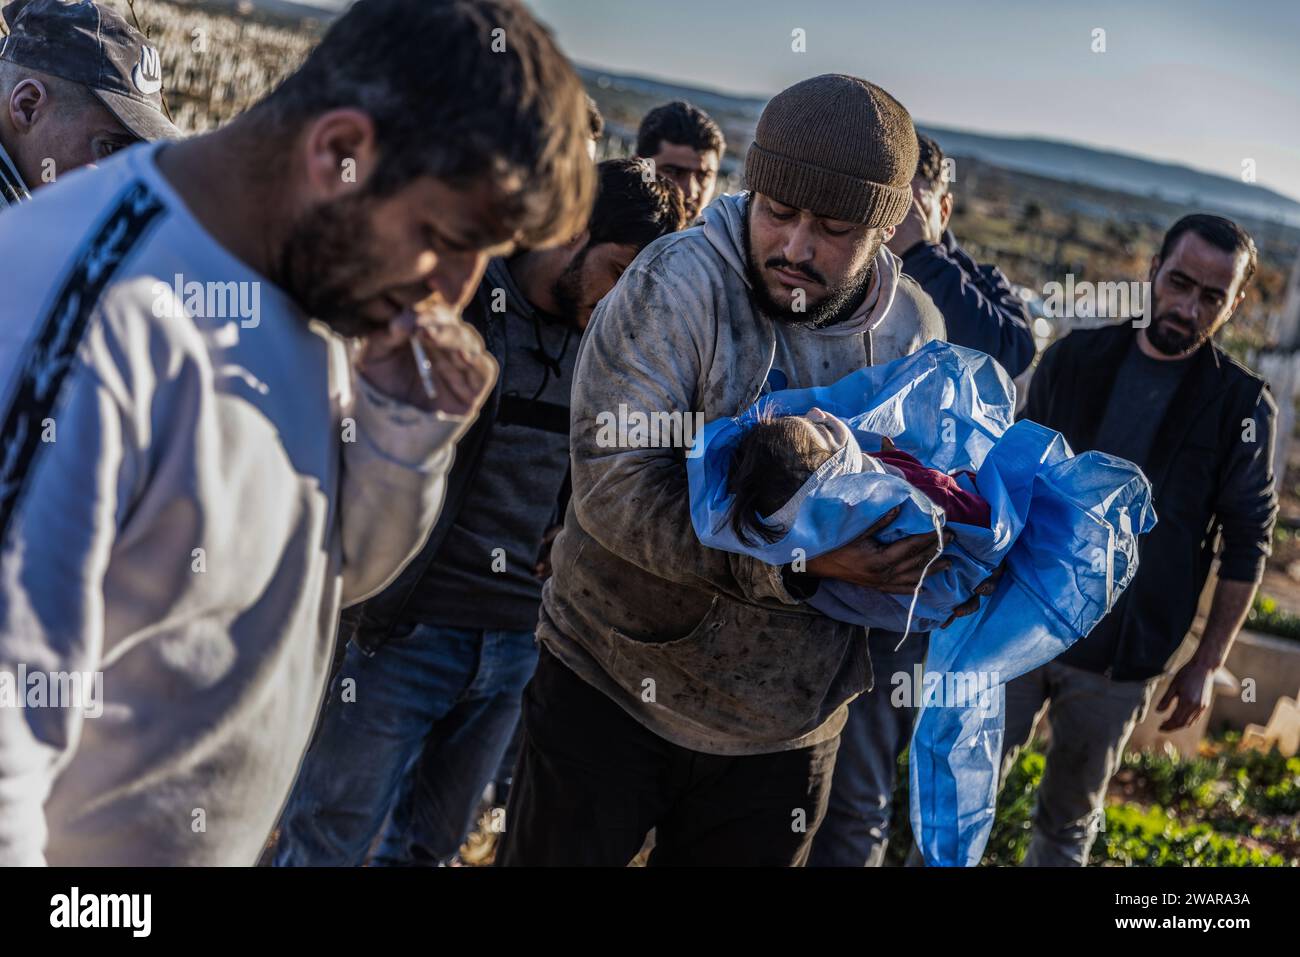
856	830
592	782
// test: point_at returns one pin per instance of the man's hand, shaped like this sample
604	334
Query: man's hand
894	568
462	370
1191	689
1193	684
982	590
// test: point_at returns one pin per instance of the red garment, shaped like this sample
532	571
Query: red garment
957	503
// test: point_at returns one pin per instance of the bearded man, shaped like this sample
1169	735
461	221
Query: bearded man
199	469
1160	393
681	688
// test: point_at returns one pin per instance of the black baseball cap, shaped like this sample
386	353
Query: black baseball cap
90	44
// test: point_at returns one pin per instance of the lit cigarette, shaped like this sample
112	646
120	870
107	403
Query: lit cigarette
425	368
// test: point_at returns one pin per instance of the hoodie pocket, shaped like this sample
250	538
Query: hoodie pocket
746	671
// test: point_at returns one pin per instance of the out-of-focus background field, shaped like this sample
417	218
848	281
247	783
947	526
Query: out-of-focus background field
1037	208
1221	794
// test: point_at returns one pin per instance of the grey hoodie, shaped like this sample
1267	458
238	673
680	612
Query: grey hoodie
705	648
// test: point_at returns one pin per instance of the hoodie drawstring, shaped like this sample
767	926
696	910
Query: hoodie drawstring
916	592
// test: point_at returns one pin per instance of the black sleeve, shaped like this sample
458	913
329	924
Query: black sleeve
1038	404
1246	505
978	307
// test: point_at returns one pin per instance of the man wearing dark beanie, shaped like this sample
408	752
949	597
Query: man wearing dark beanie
681	688
839	145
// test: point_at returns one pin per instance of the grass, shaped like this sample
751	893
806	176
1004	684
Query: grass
1223	808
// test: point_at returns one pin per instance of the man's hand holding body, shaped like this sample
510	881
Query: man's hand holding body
895	568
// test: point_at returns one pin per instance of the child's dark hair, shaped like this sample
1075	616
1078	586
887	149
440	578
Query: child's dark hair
770	464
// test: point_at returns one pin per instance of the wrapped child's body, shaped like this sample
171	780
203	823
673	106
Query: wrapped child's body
778	454
789	480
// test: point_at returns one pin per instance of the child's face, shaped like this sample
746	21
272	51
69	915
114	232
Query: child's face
827	432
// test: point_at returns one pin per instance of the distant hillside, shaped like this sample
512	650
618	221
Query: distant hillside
1059	160
1122	173
720	105
1055	159
278	8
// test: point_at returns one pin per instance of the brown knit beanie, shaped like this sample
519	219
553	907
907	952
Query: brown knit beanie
837	146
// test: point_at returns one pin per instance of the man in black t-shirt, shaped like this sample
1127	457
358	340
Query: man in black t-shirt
1201	426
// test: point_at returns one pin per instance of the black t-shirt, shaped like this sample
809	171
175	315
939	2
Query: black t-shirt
1138	402
482	576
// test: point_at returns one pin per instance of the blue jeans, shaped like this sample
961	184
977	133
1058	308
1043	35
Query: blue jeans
417	730
855	831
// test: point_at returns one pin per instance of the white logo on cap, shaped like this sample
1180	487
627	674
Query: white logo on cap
147	74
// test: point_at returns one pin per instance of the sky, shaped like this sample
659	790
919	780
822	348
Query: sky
1203	83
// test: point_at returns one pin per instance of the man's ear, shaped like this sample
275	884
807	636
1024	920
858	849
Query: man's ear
339	152
945	209
1237	301
1154	268
27	104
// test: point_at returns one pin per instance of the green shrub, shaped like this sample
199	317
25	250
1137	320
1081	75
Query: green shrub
1227	780
1013	825
1149	837
1187	813
1266	617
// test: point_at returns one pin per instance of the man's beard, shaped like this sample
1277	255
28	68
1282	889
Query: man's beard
327	255
1172	343
567	288
839	305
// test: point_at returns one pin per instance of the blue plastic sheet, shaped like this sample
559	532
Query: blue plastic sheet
1063	526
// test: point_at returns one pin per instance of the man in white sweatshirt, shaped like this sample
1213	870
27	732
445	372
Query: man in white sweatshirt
196	470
